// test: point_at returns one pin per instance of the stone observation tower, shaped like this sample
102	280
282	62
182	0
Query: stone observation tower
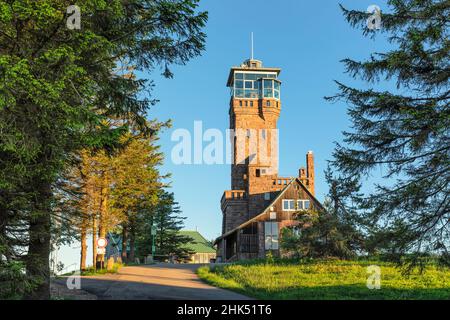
255	107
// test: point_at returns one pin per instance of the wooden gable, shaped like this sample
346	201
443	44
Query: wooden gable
294	191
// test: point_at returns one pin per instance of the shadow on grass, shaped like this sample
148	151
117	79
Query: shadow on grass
347	292
323	292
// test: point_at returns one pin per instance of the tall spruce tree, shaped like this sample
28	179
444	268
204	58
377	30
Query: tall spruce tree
165	217
406	130
57	87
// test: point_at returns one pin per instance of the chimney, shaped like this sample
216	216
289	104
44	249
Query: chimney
302	174
310	171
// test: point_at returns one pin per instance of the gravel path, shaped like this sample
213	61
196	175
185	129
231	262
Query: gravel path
159	281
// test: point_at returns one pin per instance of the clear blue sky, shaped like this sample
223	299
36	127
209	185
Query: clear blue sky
307	39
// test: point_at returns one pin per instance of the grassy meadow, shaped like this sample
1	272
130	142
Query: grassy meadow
329	280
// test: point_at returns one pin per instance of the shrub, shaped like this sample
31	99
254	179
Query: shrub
14	281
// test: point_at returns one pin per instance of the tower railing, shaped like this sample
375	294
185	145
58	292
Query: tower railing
233	195
281	181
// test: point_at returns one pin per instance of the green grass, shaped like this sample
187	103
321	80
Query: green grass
92	272
326	280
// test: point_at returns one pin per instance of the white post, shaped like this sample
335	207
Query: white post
252	46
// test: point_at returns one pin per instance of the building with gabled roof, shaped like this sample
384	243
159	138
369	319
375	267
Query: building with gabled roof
260	203
203	251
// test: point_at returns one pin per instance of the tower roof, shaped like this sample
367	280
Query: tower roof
250	65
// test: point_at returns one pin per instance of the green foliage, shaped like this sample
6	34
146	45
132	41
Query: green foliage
270	258
165	217
59	88
332	233
91	271
14	281
326	280
404	132
321	236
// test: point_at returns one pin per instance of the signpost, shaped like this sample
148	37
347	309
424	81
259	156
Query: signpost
102	242
101	250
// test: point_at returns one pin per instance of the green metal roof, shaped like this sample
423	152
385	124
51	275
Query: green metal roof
199	244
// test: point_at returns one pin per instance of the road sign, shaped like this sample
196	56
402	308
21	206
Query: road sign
102	242
101	250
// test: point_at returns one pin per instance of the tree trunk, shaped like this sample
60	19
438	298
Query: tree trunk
3	223
37	261
103	213
132	242
83	252
124	243
94	240
87	213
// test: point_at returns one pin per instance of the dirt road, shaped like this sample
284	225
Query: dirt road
160	281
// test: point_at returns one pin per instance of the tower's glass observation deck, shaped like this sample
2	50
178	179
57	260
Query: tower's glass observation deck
252	81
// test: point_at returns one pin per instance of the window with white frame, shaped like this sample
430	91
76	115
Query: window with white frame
271	235
303	204
250	85
288	205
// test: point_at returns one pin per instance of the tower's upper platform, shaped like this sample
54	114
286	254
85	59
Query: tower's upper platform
253	81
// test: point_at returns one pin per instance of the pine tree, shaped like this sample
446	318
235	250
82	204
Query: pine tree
335	231
59	85
165	217
137	184
404	131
